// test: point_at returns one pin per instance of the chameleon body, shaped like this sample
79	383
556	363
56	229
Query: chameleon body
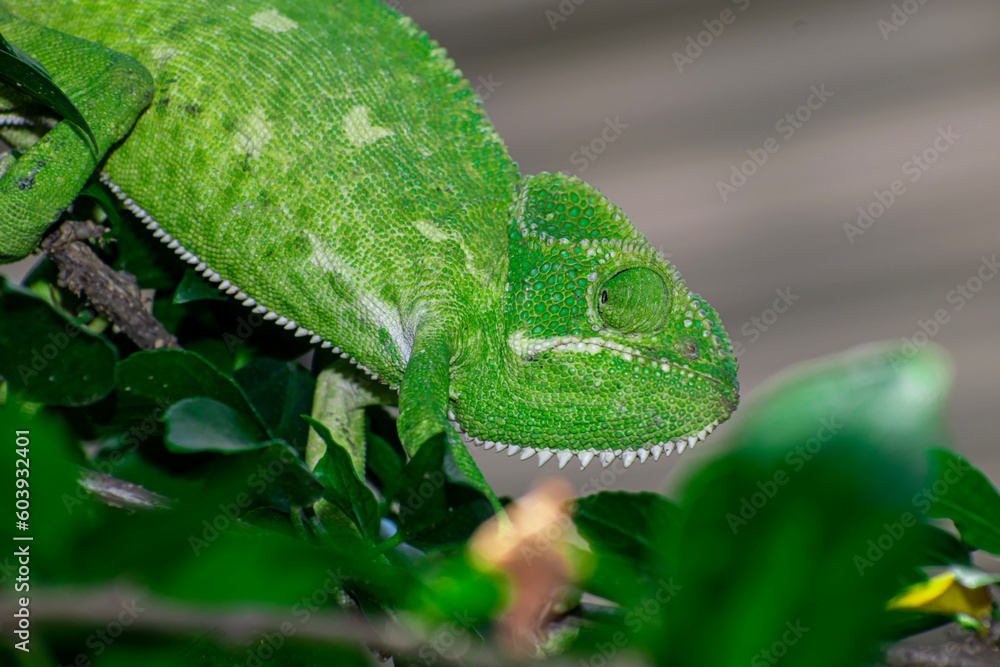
327	164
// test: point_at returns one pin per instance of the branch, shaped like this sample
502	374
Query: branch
99	607
943	655
113	294
121	494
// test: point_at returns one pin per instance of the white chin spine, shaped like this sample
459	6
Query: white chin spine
628	456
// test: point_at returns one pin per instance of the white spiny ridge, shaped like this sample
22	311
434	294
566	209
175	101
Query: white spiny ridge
222	284
606	456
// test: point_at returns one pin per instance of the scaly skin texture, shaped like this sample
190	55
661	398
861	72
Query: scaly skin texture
326	163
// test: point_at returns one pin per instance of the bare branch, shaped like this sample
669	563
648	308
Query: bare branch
113	294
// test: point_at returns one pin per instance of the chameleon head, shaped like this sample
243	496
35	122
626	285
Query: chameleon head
604	351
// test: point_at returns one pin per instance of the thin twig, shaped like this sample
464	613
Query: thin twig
114	294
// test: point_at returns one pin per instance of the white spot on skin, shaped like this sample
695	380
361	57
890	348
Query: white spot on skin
359	129
378	313
273	20
255	133
431	232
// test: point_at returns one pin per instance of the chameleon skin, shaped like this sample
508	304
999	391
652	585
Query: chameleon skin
328	165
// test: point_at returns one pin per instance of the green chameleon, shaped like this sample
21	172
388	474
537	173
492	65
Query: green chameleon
327	165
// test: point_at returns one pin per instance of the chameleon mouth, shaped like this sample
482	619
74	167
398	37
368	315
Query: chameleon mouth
628	455
528	348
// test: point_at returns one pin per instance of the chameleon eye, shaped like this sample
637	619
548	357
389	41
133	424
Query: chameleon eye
634	301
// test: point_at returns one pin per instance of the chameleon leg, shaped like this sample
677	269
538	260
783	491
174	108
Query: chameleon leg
423	409
110	89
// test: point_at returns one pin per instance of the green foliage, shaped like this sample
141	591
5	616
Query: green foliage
813	512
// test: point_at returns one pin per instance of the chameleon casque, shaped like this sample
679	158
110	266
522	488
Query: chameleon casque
326	164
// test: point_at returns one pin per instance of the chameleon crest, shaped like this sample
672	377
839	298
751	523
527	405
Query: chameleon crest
328	166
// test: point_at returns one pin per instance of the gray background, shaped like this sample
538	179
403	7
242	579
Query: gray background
551	85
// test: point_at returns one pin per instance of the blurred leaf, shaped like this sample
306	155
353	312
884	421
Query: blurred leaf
281	392
808	519
26	75
342	486
195	288
37	446
958	491
623	523
206	425
45	357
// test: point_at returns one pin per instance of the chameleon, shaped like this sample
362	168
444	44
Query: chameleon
328	166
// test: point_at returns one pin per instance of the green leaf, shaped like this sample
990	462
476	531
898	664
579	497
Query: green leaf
958	491
27	75
939	547
150	381
628	524
435	513
281	392
206	425
383	463
278	464
99	194
342	486
808	518
46	357
195	288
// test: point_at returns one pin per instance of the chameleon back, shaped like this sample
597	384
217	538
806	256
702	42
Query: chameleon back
327	158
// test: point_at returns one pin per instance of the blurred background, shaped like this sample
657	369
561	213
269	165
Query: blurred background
742	137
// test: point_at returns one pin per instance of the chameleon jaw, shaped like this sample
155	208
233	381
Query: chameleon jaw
606	456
